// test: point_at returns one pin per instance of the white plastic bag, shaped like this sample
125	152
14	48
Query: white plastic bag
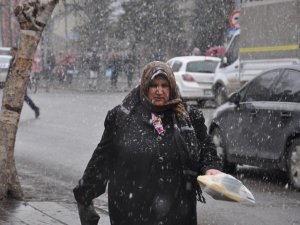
225	187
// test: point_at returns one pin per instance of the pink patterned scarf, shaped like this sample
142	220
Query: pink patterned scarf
157	123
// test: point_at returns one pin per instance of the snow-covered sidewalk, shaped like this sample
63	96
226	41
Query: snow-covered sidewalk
43	212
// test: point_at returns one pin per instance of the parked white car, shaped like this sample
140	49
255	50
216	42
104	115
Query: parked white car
194	76
4	64
227	79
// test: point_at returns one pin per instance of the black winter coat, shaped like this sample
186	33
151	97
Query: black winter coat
144	171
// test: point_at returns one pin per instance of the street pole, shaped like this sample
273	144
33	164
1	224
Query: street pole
66	25
10	22
5	10
1	33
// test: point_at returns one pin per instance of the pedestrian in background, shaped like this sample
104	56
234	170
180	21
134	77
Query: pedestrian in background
60	69
115	65
150	154
36	71
94	67
70	66
50	65
196	51
27	99
129	67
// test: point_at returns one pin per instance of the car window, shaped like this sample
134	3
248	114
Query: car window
176	66
260	89
288	87
232	53
4	51
207	66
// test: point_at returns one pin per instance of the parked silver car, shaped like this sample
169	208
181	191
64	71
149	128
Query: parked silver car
194	76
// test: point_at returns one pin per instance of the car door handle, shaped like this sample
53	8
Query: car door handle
286	114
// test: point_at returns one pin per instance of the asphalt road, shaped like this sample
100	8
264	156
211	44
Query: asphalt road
59	144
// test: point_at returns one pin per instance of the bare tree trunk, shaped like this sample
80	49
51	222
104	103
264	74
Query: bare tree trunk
32	16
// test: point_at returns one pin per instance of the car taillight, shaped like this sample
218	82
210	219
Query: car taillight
187	77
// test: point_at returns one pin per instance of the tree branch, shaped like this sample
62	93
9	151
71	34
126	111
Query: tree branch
33	14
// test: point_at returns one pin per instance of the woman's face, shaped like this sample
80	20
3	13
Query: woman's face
159	91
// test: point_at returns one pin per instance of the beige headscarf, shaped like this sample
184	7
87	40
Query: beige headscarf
149	70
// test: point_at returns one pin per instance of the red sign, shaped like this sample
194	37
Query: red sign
234	19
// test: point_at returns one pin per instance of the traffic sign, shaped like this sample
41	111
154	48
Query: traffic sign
234	19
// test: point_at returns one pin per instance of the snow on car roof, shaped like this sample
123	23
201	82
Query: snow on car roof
194	58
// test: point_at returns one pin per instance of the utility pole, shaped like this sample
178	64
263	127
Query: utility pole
6	23
10	22
66	25
8	26
1	28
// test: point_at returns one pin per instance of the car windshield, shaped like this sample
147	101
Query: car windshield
4	51
207	66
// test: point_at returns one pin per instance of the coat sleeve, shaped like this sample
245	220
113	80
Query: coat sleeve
94	180
208	155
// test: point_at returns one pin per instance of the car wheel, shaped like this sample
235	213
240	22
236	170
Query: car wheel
220	95
221	151
293	164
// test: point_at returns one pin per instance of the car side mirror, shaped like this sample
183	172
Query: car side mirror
224	62
235	98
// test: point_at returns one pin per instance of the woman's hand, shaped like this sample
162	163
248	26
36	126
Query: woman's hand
212	172
88	214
